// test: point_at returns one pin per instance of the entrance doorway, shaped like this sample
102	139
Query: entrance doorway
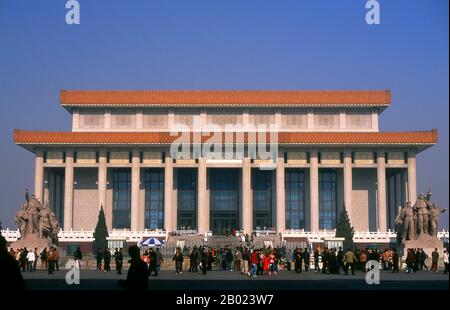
224	200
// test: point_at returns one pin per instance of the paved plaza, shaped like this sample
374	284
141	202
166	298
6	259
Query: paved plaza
227	280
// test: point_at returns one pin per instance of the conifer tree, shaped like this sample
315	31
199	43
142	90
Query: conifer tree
101	232
345	230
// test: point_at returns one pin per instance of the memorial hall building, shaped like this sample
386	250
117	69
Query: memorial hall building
330	154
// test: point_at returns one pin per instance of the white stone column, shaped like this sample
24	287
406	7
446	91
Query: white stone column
101	182
39	174
135	185
168	186
381	190
281	200
314	189
68	191
46	198
203	203
412	185
348	181
247	205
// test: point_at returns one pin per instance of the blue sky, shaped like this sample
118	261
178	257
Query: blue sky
221	44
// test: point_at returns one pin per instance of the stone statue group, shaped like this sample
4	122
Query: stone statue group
419	219
35	219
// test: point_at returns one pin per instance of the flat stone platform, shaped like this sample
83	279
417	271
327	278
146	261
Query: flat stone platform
232	280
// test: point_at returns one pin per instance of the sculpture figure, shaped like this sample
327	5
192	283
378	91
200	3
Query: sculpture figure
45	227
22	220
421	207
33	210
37	222
435	213
405	222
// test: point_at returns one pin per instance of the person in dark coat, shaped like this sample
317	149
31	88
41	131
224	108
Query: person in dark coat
395	260
306	258
158	261
193	260
99	256
298	260
316	260
118	257
137	276
204	260
340	260
152	256
78	256
10	277
178	258
107	259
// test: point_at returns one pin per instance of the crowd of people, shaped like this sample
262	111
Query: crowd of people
269	261
27	259
249	261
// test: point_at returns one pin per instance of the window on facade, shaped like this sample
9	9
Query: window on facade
295	198
294	120
187	199
262	199
361	120
121	198
262	119
91	120
326	120
327	199
155	120
224	200
154	198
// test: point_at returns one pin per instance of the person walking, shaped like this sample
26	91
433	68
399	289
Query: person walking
78	256
178	258
51	260
363	260
43	256
204	260
298	260
55	250
434	260
395	261
137	276
158	260
237	259
445	261
316	260
23	260
30	260
349	261
107	259
193	260
306	258
10	277
99	257
423	256
36	258
118	257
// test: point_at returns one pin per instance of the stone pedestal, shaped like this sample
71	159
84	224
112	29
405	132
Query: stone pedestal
425	242
31	242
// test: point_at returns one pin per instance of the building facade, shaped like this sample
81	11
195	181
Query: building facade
329	154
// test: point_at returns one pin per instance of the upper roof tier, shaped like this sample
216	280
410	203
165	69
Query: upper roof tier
225	98
418	139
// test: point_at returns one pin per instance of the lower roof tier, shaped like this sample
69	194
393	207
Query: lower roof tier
418	139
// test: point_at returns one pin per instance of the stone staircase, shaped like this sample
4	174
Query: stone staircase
268	240
220	241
